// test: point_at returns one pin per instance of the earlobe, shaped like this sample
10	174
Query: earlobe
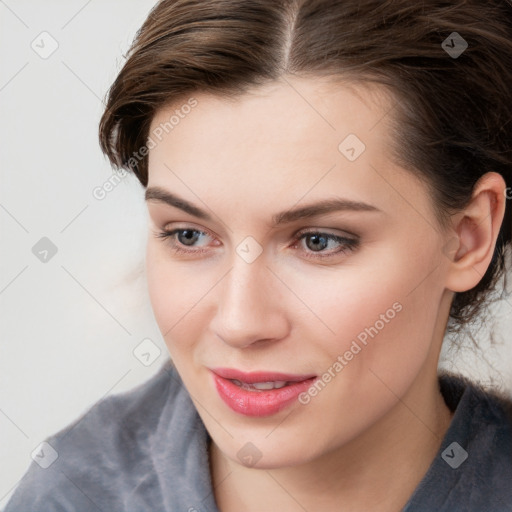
475	233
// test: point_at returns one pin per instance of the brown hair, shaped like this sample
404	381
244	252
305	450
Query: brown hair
452	115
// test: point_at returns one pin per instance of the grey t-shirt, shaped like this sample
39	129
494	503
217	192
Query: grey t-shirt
147	450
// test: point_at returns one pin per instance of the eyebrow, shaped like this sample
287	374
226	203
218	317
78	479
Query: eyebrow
158	194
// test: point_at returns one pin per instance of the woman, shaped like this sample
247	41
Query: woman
326	184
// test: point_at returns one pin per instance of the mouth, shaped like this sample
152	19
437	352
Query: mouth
259	393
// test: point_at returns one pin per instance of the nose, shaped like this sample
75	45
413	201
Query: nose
251	309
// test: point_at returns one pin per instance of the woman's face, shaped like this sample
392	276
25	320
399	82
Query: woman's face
307	253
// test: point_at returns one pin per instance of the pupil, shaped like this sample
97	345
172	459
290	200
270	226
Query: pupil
317	240
189	236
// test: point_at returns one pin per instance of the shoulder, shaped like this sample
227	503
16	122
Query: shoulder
486	429
472	470
489	415
486	414
95	461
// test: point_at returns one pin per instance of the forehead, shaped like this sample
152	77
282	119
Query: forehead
287	139
296	109
290	123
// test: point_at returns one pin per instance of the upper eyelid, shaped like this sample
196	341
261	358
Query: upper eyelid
319	217
192	225
297	233
326	231
185	226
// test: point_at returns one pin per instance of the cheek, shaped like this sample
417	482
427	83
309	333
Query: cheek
380	315
172	294
159	282
383	325
181	298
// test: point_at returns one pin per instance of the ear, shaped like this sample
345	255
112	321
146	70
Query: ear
471	246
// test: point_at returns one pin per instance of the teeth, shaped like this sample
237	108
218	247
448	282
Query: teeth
269	385
262	386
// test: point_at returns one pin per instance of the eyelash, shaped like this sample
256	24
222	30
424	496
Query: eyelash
349	244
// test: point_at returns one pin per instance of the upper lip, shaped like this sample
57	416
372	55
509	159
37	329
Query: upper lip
259	376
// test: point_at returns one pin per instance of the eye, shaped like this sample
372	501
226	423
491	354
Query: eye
188	236
314	243
184	237
317	242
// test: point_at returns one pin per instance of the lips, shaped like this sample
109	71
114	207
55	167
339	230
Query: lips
259	393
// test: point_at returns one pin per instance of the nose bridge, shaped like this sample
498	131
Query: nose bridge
247	309
244	287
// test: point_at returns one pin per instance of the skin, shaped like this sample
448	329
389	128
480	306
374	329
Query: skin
367	439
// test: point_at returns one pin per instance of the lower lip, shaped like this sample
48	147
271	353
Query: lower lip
259	403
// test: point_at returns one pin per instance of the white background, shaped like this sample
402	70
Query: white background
69	326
